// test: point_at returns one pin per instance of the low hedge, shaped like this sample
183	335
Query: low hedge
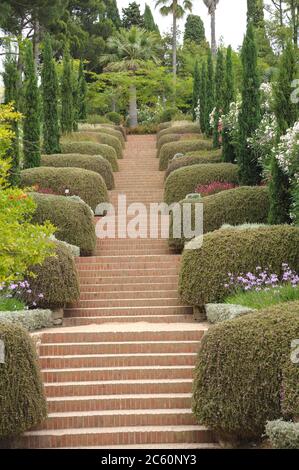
239	374
57	279
121	129
283	434
96	137
169	150
94	163
204	271
185	180
114	117
73	220
194	158
163	125
22	399
166	139
88	185
105	130
247	204
183	128
31	320
92	148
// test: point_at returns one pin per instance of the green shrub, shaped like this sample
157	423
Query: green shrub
96	137
97	119
57	279
204	271
185	180
166	139
238	378
92	148
22	400
89	185
121	129
163	125
265	297
89	128
247	204
167	115
73	220
194	158
114	117
149	128
94	163
183	128
169	150
283	434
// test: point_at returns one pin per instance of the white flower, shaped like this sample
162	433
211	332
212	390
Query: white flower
67	191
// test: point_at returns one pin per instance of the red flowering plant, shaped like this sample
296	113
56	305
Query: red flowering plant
214	188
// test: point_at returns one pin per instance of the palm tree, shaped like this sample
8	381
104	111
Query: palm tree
129	51
212	5
177	11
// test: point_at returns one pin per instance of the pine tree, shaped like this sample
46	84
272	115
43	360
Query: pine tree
255	12
11	80
286	113
50	101
132	16
228	152
194	29
210	96
82	90
250	113
67	117
112	12
31	123
219	96
148	20
196	90
203	97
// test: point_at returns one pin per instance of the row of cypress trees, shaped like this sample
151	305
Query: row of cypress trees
40	105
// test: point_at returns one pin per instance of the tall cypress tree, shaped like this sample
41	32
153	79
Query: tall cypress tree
196	90
286	113
210	96
219	96
31	123
228	153
255	14
194	29
11	80
250	113
112	12
50	100
203	97
67	118
82	90
148	20
75	94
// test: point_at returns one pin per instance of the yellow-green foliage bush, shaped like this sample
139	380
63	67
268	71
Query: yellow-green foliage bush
92	148
239	379
95	137
106	130
163	125
204	271
168	151
246	204
88	185
22	399
74	220
166	139
194	158
94	163
185	128
185	180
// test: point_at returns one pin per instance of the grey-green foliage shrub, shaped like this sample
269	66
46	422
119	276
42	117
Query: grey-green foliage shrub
92	148
96	137
186	128
194	158
283	434
184	180
168	151
166	139
31	320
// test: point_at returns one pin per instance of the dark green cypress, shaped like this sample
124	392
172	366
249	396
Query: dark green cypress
280	196
250	113
67	113
50	101
219	96
228	152
75	93
196	90
82	90
210	92
11	80
31	123
203	97
148	20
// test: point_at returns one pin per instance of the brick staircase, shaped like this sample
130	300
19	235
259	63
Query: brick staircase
118	374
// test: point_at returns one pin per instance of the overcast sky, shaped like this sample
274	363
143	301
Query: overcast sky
230	18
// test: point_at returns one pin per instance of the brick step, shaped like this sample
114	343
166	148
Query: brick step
117	373
80	321
115	436
126	303
125	264
145	287
118	418
183	445
70	349
129	272
98	260
118	360
128	279
132	311
133	252
169	294
144	243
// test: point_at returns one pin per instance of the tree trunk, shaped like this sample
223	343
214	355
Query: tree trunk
174	34
213	32
133	107
36	43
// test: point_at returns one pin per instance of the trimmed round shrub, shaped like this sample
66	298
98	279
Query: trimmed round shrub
97	137
238	383
163	125
105	130
73	220
92	148
88	185
167	115
22	402
194	158
114	117
96	119
166	139
247	204
204	271
185	180
94	163
169	150
183	128
57	279
122	129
